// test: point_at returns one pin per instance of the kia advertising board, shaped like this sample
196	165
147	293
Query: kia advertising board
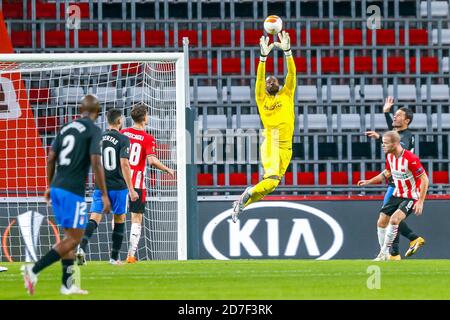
313	230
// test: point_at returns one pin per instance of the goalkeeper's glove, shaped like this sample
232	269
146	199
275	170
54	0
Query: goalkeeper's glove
285	43
265	47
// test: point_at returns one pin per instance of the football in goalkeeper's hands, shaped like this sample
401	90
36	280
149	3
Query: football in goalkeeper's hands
273	24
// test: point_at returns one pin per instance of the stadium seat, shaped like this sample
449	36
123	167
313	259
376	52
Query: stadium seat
255	178
352	37
437	92
84	10
336	178
119	38
327	150
69	95
405	92
47	124
445	36
384	37
54	39
361	64
350	121
329	65
192	35
152	38
106	94
86	38
394	65
318	37
438	8
445	64
306	93
44	10
205	94
237	93
417	37
21	39
338	93
39	95
229	65
205	179
375	121
251	37
428	149
419	122
270	67
12	10
305	178
238	179
443	118
247	121
213	121
372	92
427	65
313	122
361	150
128	68
219	38
300	65
198	66
440	177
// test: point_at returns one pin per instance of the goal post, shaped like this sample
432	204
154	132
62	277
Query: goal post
41	92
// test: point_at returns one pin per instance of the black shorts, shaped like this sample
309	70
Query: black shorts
138	206
395	203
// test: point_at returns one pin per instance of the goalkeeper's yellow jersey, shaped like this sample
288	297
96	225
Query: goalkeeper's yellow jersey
277	112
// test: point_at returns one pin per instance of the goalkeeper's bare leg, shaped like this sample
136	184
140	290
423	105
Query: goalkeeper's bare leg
254	194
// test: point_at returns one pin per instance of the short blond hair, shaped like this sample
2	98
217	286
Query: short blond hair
393	135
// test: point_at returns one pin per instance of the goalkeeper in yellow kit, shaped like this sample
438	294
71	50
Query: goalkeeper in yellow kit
276	109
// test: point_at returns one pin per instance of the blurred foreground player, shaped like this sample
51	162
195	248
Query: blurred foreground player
76	147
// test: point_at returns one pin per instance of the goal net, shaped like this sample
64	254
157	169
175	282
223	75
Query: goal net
41	92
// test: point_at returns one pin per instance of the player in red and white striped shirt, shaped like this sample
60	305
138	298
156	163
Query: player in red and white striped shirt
411	186
142	147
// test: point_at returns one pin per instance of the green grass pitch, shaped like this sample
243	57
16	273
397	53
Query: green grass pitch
242	279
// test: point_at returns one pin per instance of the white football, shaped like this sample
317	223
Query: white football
273	24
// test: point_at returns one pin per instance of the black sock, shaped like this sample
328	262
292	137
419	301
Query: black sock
51	257
90	228
406	231
67	271
117	238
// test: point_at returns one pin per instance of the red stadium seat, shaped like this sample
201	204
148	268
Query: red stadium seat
394	64
119	38
219	38
305	178
229	66
152	38
191	34
43	10
288	179
238	179
254	178
47	124
319	37
440	177
356	176
205	179
251	37
417	37
21	39
128	68
86	38
221	179
352	37
384	37
330	65
198	66
269	65
427	65
361	64
39	95
292	36
12	10
54	39
336	178
300	64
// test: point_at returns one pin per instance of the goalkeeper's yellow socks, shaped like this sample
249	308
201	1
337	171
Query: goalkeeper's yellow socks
263	188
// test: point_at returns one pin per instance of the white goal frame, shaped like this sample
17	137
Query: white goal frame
182	94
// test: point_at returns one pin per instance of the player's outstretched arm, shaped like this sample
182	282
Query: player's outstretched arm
424	182
379	178
51	165
126	170
388	103
97	167
260	86
285	45
154	161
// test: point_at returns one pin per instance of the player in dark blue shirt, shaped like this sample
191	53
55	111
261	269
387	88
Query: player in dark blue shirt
115	155
400	123
76	147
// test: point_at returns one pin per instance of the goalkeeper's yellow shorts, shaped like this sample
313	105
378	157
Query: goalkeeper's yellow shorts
275	160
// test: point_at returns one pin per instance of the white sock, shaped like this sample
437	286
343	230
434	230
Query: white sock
391	233
135	235
381	235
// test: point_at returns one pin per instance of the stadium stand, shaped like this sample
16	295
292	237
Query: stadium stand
344	73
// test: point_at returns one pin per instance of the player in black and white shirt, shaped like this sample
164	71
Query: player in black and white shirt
115	157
